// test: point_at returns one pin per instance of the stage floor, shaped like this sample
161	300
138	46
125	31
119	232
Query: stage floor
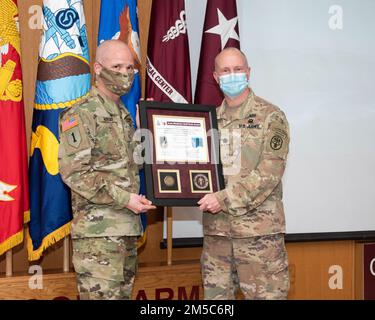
181	281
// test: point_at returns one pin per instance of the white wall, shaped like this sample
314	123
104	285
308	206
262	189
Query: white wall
324	80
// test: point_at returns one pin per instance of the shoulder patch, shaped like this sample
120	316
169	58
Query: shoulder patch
277	141
69	123
74	138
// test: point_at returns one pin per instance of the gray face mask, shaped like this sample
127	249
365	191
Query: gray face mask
117	82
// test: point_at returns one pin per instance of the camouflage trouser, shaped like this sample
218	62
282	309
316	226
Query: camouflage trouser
105	267
257	265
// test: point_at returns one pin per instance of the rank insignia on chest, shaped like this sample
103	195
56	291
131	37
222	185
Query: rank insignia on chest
69	123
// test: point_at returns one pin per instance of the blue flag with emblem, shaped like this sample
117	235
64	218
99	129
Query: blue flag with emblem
63	78
119	20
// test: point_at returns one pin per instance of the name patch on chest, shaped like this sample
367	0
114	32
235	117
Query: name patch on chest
250	126
107	120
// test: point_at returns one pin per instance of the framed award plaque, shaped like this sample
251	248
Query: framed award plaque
181	152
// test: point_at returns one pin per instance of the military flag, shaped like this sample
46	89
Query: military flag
168	61
119	20
220	31
14	200
63	79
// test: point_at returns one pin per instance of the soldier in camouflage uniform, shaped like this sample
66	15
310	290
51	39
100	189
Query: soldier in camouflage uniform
96	162
244	223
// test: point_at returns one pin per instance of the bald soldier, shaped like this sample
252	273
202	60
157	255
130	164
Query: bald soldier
96	162
244	223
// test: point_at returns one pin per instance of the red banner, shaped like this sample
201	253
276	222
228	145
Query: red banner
220	31
14	202
168	61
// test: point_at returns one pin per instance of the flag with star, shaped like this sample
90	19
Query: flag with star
220	31
63	79
14	199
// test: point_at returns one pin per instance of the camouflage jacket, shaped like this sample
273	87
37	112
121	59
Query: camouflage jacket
254	143
96	162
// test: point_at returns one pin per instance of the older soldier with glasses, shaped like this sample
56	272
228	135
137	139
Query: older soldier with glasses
244	224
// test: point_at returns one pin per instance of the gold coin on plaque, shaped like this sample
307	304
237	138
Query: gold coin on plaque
169	181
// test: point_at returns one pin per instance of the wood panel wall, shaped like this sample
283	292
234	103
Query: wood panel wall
313	272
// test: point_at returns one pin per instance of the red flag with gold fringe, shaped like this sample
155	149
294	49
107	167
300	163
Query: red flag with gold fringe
14	201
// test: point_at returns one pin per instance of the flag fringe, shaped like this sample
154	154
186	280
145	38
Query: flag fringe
142	240
64	55
11	242
60	105
26	216
47	241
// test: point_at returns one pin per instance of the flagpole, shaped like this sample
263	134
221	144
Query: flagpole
9	263
169	235
66	254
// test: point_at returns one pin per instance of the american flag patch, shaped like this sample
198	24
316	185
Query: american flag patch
69	123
